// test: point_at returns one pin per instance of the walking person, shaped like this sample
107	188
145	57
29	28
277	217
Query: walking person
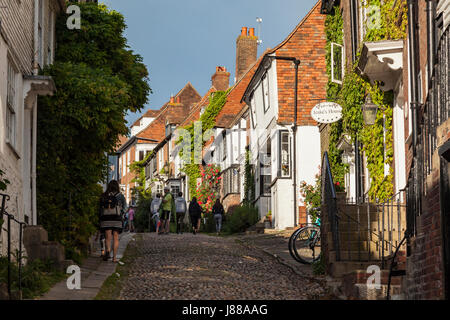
180	208
218	212
167	208
131	219
195	213
154	209
112	207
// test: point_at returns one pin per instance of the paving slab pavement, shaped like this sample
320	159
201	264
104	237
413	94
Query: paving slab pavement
94	271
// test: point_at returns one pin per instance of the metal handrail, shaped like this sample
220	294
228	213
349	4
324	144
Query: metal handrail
387	207
10	217
329	198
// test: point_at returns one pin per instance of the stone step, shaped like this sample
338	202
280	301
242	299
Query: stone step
341	268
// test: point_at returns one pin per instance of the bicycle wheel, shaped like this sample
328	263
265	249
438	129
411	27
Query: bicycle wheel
306	244
291	244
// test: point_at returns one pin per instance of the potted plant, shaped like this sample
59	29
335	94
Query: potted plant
341	195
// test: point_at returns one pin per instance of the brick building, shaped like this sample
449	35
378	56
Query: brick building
276	139
415	70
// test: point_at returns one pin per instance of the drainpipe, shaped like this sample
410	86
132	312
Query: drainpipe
354	40
294	130
33	167
412	18
354	28
431	13
36	38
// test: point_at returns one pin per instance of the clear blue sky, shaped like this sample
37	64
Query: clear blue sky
184	40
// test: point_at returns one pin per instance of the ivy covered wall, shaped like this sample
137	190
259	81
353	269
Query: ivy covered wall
390	23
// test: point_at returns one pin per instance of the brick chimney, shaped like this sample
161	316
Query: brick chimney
221	79
246	51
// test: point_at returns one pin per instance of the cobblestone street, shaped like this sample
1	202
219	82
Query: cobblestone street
206	267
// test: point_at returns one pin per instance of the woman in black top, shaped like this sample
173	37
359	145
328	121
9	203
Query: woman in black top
112	208
218	213
195	213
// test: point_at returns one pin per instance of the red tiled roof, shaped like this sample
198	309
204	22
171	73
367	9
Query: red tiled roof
233	106
194	114
156	129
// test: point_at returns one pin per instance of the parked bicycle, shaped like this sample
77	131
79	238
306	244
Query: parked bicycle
304	243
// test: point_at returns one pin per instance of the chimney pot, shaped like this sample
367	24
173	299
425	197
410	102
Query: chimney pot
178	99
246	51
221	78
172	99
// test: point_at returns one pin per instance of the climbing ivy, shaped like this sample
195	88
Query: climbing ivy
334	33
376	140
208	120
138	169
249	181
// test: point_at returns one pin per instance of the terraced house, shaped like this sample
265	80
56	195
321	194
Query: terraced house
285	142
388	67
259	120
160	166
27	44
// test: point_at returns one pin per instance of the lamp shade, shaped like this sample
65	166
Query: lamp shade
369	111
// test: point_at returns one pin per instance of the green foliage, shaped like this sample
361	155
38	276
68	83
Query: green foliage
334	33
138	169
376	140
142	215
208	223
249	181
101	44
241	219
98	81
208	120
209	189
3	181
319	267
393	20
37	277
378	146
312	197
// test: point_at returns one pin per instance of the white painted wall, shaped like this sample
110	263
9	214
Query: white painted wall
144	122
308	156
399	145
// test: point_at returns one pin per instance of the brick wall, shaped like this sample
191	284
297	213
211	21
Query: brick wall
221	79
425	278
307	43
246	52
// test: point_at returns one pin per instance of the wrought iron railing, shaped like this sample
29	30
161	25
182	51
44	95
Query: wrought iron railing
10	218
372	232
374	228
434	112
329	199
436	109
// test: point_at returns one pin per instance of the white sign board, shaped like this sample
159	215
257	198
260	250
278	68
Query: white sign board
326	112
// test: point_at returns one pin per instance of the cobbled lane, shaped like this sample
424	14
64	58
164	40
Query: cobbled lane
199	266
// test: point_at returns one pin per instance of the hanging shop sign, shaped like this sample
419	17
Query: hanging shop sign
326	112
